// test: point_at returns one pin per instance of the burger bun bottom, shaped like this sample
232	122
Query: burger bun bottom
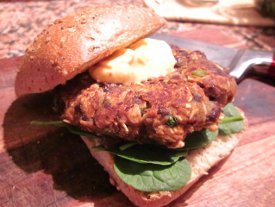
201	160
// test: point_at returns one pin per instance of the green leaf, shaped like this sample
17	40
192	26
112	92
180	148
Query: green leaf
70	128
48	123
230	110
266	7
231	128
127	145
98	148
199	139
148	153
153	178
80	132
229	119
232	121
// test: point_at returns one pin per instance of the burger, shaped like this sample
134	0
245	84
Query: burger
155	116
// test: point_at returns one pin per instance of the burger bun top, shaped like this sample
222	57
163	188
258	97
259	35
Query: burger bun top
74	43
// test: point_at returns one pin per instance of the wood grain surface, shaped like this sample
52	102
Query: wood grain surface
49	167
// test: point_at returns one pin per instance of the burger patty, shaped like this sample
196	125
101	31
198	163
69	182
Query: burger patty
162	110
212	78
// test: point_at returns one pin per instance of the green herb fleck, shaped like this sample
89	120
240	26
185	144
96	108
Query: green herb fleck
199	72
171	121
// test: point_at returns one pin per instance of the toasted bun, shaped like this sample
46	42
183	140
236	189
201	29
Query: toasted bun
71	44
201	161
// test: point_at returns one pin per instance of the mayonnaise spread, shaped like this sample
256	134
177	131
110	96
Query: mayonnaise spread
145	59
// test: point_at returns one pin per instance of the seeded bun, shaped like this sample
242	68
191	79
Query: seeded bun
201	160
72	44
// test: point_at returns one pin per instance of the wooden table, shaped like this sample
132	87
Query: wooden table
45	167
49	167
25	19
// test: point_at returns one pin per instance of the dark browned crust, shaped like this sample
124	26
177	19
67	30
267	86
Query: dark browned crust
163	110
217	84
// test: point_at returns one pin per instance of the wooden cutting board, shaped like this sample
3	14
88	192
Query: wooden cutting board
48	167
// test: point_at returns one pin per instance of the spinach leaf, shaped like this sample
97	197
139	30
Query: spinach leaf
70	128
80	132
48	123
229	119
149	153
199	139
127	145
153	178
232	121
230	110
